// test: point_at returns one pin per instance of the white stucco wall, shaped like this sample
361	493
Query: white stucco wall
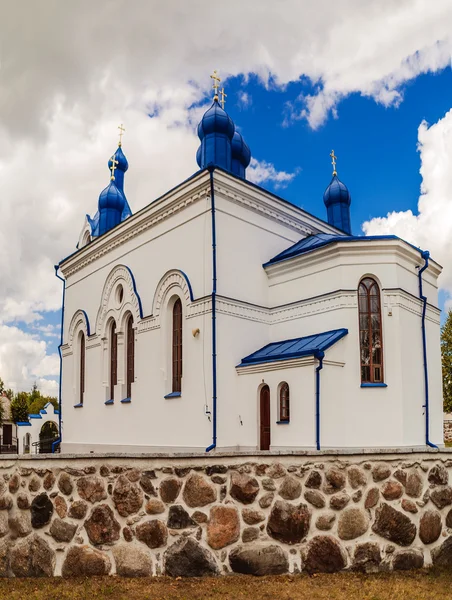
167	245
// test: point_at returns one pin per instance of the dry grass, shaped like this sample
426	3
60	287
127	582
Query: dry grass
416	585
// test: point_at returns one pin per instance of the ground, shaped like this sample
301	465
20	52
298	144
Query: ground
415	585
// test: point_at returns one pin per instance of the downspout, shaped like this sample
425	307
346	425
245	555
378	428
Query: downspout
214	316
425	254
58	441
319	355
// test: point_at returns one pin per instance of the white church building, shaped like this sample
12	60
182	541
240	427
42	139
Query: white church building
221	316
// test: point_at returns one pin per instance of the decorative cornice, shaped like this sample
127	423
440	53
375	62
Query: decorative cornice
278	365
131	302
152	215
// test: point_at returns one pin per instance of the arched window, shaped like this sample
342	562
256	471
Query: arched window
130	366
113	359
177	346
284	402
370	334
82	368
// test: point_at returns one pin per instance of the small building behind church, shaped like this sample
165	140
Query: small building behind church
222	317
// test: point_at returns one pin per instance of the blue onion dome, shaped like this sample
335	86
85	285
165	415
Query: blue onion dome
337	193
216	120
119	155
111	197
240	150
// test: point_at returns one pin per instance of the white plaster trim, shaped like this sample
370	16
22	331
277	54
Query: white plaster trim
280	365
78	322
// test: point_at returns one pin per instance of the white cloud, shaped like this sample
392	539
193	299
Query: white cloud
431	228
261	171
245	100
23	360
71	72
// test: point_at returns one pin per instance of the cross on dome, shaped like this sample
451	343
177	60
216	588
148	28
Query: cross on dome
223	96
215	86
114	162
333	161
121	132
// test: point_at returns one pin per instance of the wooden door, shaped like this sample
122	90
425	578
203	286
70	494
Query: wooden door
7	435
265	418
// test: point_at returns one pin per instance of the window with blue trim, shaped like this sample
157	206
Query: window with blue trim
82	368
177	347
370	331
113	359
284	402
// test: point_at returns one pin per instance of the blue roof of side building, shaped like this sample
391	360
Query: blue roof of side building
319	240
310	345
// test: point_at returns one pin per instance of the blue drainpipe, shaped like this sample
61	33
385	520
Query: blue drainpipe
320	356
425	254
214	317
58	441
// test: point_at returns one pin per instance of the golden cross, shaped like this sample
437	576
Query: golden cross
121	131
223	96
333	162
216	81
113	167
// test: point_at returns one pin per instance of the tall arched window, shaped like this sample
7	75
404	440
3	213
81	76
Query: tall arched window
82	368
177	346
370	334
284	402
113	359
130	366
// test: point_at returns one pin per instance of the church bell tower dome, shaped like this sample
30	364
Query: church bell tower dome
337	200
241	155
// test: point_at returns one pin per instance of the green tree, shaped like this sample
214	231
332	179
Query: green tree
19	407
446	359
2	386
9	393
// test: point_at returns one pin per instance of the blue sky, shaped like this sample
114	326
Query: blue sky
370	80
376	145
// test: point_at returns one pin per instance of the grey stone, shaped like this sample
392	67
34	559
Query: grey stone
268	484
83	561
339	501
19	524
325	522
32	557
315	498
169	489
334	480
186	558
41	511
59	503
314	480
14	483
244	488
127	497
290	488
430	526
405	560
223	527
4	558
414	484
276	471
62	531
266	500
152	533
178	518
147	483
380	472
356	477
6	502
324	555
250	534
353	522
132	561
438	475
441	496
91	488
394	525
198	491
259	560
442	555
367	558
101	526
65	484
78	509
252	516
288	523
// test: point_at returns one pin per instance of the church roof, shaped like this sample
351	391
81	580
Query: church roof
310	345
312	242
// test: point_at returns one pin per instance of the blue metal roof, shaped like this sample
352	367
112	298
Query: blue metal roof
310	345
313	242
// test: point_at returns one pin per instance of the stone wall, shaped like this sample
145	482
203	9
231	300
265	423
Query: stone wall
193	516
448	430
